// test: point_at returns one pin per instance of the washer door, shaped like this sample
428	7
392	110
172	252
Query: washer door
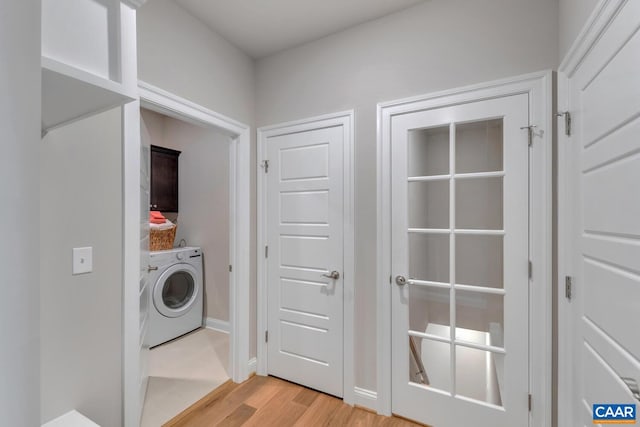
176	290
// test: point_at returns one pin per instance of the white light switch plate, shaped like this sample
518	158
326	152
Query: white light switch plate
82	260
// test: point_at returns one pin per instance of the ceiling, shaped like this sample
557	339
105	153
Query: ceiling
264	27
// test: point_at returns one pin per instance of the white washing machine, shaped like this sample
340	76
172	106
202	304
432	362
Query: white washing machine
176	294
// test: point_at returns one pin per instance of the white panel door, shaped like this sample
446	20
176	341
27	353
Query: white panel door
460	297
604	213
305	245
145	286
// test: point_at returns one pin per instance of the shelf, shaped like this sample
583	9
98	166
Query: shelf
70	94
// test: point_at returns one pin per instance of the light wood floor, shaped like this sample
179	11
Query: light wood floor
268	401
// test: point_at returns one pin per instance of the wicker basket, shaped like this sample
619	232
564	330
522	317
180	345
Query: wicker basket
162	240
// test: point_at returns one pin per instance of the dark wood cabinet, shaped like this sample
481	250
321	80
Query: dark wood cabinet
164	179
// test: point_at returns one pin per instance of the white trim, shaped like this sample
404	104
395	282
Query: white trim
346	120
599	21
539	87
135	4
172	105
217	325
253	363
365	398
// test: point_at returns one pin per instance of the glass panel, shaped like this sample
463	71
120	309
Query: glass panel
479	203
479	318
429	204
429	310
177	290
435	358
479	260
479	146
479	374
428	151
429	257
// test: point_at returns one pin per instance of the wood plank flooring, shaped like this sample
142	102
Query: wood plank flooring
268	401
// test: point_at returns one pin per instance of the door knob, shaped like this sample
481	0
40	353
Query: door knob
401	280
633	386
333	275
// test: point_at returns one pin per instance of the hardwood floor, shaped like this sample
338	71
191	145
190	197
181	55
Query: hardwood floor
269	401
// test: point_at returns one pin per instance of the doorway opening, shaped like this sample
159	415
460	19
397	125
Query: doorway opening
179	116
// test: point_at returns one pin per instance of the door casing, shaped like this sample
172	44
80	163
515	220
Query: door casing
346	120
539	87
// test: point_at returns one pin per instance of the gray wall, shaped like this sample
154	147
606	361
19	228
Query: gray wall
19	190
81	316
572	15
436	45
203	219
178	53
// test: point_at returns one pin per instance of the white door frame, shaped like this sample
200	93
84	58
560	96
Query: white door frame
598	23
539	87
346	120
166	103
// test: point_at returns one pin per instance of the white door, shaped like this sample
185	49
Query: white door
460	264
145	286
305	246
604	213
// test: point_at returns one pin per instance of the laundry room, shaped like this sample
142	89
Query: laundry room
189	243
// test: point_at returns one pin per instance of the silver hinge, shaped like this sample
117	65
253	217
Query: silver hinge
530	269
568	285
567	121
265	165
266	336
266	251
529	133
530	403
230	268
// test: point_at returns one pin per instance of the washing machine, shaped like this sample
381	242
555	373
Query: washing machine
176	294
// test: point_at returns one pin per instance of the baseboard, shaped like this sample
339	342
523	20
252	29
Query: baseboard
253	364
365	398
217	325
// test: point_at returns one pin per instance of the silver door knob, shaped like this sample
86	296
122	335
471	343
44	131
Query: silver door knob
333	275
401	280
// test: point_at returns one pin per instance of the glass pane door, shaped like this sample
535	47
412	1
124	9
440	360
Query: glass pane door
459	234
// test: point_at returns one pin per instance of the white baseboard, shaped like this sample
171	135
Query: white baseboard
253	364
217	325
365	398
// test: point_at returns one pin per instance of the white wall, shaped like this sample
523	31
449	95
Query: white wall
572	15
439	44
203	179
81	316
19	190
178	53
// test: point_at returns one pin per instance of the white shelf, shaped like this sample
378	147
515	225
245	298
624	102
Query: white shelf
70	94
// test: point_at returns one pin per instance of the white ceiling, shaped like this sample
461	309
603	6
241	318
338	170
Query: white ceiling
263	27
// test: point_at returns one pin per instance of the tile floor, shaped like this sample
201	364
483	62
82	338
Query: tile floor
183	371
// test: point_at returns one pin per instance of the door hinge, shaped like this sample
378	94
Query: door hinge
529	133
266	251
530	402
390	280
266	336
568	285
230	268
567	121
265	165
530	270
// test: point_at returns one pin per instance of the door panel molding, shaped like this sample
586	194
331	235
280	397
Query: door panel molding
539	88
345	119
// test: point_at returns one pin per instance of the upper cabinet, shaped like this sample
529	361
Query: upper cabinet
164	179
88	58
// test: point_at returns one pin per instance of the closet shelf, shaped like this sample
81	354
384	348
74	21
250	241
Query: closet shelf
70	94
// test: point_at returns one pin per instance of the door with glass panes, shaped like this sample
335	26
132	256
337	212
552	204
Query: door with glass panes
460	295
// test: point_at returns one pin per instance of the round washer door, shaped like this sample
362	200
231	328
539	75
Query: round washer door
176	290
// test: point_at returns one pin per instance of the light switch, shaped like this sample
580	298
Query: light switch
82	260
